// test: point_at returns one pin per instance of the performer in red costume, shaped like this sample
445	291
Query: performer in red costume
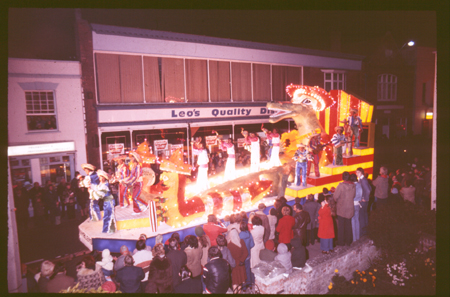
134	181
122	172
314	147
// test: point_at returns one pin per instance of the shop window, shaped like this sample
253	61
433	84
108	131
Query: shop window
113	145
387	87
219	81
152	81
241	87
162	142
40	110
261	82
119	78
281	77
196	80
334	80
172	79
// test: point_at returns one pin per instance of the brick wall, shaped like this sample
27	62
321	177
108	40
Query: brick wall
86	57
346	260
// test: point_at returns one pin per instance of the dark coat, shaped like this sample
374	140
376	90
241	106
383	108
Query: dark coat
160	276
298	253
239	255
301	221
178	259
366	188
129	278
60	282
311	207
344	194
189	286
216	276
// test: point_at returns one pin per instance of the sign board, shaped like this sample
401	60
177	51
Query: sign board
161	145
173	147
240	142
211	140
115	149
45	148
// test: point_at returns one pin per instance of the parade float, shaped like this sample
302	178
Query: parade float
176	205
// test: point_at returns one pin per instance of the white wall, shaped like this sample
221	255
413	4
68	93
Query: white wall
65	77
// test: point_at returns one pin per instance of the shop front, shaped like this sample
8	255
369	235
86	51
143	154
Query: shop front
42	162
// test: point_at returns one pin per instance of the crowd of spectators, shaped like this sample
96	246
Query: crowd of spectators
223	255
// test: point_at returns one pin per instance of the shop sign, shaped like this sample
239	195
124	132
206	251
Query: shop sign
211	140
46	148
115	149
162	144
174	147
136	115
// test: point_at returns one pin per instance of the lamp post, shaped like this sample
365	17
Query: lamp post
409	43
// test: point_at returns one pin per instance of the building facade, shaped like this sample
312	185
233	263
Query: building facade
46	128
168	88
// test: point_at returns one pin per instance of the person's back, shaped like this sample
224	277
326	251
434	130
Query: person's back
298	253
178	259
216	273
129	277
188	284
284	257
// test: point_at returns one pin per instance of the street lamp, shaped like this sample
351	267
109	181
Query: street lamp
409	43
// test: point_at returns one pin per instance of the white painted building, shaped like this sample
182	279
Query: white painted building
46	127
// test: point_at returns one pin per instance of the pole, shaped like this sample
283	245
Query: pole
433	154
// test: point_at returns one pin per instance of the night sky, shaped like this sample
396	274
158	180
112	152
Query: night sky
48	33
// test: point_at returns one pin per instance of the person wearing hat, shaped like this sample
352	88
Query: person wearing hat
301	156
314	147
253	141
134	181
338	140
91	181
347	149
355	123
103	192
122	172
230	166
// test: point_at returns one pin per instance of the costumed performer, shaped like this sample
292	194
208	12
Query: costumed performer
338	140
103	191
91	181
255	152
300	157
202	162
134	182
347	149
230	166
122	172
274	138
314	148
355	123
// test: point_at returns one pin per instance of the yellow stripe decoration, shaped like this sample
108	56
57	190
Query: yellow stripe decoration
343	110
369	116
327	121
341	169
364	111
363	152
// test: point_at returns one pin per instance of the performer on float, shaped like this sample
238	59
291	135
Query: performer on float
314	148
300	157
274	137
91	181
230	166
355	123
202	162
338	140
103	191
134	182
347	149
122	172
253	141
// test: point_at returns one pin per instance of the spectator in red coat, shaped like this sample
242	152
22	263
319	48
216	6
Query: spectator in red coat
326	227
285	225
212	229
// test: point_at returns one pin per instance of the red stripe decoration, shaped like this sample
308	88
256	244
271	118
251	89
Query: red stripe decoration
357	159
354	103
323	180
237	200
153	216
334	111
218	202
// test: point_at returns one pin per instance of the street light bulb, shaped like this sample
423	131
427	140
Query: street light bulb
411	43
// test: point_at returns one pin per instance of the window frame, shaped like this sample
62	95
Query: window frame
33	112
340	79
387	83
